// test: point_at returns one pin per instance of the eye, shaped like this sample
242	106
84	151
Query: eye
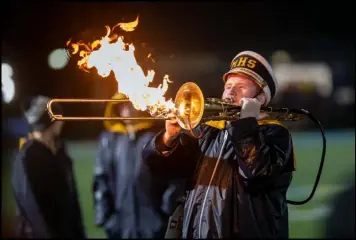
227	86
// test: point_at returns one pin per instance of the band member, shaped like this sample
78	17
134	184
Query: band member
43	180
240	170
125	205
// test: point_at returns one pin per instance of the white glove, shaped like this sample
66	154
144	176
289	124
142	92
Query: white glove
250	108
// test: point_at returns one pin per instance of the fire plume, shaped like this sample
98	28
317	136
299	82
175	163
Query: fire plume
128	27
111	53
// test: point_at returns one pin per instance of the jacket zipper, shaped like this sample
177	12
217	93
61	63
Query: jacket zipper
211	179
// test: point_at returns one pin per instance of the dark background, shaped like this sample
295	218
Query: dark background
189	41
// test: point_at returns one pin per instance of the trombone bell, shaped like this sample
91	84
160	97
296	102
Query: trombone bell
189	103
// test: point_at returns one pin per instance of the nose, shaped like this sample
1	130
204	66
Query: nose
234	86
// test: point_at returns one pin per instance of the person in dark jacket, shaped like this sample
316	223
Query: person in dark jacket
43	180
239	171
125	205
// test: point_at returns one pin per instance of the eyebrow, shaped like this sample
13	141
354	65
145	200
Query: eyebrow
237	84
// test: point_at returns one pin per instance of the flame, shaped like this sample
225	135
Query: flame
112	54
128	27
150	57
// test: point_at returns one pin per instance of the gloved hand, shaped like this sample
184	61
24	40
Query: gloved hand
250	108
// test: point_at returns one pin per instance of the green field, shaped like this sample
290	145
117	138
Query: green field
306	221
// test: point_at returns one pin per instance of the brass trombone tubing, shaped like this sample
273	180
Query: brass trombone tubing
60	117
83	100
284	111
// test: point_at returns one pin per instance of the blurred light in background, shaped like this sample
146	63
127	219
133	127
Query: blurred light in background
312	74
7	83
280	56
58	59
345	95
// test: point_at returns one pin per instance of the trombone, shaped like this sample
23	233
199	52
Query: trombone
191	109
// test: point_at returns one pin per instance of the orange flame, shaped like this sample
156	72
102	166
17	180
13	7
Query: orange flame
111	53
128	27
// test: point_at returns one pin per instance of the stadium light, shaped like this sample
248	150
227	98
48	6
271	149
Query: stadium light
280	56
58	59
7	83
345	95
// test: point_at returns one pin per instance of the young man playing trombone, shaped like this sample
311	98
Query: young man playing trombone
239	171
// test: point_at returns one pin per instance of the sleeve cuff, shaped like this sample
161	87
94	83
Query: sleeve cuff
160	147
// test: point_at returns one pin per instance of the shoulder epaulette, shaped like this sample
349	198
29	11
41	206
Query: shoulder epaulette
23	140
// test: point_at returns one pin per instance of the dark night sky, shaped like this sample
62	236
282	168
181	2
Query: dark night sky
177	34
31	31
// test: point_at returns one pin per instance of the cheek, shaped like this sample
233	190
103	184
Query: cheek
246	93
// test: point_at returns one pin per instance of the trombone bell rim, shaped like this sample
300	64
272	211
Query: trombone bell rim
189	103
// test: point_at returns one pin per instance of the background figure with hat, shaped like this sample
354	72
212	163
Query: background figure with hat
239	171
125	205
43	181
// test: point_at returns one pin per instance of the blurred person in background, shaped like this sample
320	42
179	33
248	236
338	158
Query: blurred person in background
239	171
43	180
125	205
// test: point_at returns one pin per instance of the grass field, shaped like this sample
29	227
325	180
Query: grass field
306	221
